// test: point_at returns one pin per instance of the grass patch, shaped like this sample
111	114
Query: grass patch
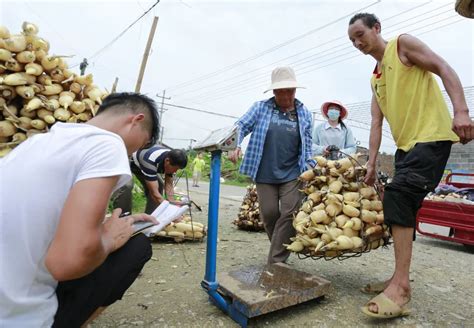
139	202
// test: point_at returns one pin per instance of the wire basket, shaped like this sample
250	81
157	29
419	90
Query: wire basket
342	255
380	237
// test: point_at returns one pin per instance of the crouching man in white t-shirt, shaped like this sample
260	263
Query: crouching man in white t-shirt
60	263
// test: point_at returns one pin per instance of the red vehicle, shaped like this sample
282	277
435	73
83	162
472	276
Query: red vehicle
458	217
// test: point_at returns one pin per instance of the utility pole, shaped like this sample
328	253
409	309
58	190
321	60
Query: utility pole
162	109
114	86
145	55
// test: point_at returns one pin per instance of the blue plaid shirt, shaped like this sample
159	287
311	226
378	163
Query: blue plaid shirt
257	120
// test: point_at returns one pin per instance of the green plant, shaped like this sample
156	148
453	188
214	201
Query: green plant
138	198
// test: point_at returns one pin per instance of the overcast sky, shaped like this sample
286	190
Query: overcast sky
218	55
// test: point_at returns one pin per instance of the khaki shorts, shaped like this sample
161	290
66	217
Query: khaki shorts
197	175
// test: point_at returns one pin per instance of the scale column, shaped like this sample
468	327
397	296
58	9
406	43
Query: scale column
212	227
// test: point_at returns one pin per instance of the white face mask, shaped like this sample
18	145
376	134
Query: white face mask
333	113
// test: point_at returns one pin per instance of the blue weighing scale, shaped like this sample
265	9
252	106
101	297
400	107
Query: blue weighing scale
251	291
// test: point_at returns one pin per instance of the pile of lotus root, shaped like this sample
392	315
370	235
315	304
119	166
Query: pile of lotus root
186	229
249	215
37	89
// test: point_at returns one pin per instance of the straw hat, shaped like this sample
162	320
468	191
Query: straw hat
465	8
325	107
283	78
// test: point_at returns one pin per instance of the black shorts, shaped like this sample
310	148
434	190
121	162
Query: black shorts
78	299
417	172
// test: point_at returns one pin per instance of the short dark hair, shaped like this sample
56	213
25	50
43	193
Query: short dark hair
369	20
178	158
135	103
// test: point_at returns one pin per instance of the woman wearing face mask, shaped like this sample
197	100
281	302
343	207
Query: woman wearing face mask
333	132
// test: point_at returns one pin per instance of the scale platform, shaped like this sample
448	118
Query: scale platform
250	291
256	290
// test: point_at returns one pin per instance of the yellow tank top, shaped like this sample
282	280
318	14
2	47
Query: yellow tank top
411	101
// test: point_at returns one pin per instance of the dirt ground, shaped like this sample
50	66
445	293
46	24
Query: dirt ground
168	293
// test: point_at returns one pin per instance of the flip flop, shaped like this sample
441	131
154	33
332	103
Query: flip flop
386	308
374	288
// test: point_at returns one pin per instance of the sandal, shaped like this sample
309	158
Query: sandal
386	308
374	288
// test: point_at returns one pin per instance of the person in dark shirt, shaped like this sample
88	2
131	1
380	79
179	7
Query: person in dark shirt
148	165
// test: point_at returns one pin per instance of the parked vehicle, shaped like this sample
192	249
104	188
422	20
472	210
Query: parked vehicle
457	216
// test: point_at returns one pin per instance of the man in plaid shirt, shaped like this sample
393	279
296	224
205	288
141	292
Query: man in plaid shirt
279	150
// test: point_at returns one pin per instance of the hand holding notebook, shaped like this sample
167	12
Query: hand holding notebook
165	214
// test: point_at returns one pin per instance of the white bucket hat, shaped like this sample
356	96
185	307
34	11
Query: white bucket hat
283	78
465	8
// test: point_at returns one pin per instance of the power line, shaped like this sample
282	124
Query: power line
190	124
451	23
123	32
304	51
360	122
120	35
264	76
229	90
281	45
354	108
317	114
201	110
356	55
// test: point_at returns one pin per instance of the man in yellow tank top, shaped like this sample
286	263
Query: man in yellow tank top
405	92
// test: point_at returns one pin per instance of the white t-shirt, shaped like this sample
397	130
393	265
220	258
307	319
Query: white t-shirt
35	180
